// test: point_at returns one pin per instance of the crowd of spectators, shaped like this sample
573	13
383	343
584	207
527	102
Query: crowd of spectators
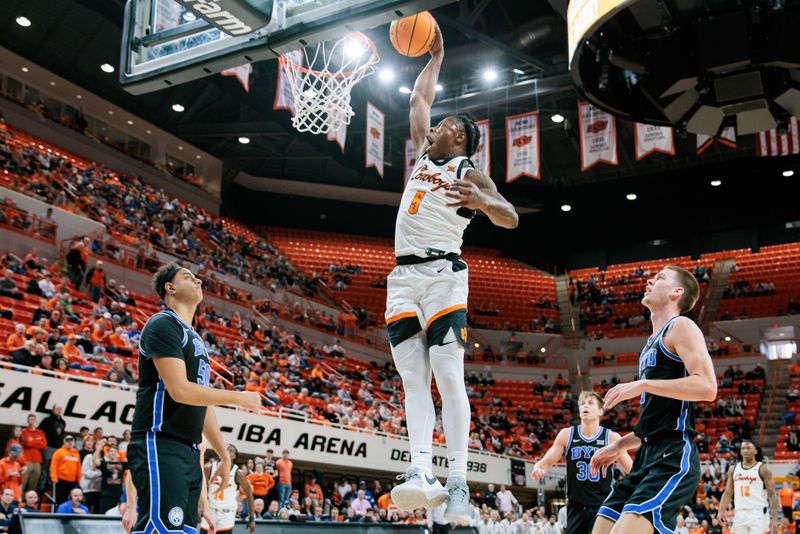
145	219
742	288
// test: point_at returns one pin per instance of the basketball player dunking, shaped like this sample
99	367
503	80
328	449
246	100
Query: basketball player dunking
675	371
752	490
585	491
426	306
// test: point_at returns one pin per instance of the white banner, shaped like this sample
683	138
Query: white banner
649	139
522	146
339	136
112	409
409	159
727	138
374	137
242	73
598	136
771	143
284	98
482	158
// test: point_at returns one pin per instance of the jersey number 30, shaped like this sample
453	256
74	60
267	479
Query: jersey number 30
417	200
585	474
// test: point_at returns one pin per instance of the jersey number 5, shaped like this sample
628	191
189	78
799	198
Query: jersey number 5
417	200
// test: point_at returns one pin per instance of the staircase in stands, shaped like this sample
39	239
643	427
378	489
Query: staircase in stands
716	288
769	415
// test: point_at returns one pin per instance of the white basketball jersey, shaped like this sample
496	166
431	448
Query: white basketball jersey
227	499
426	226
748	488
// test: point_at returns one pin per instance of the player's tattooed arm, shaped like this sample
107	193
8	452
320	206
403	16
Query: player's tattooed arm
772	496
477	191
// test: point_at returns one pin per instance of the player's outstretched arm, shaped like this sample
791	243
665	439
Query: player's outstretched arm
727	495
214	437
477	191
244	484
625	462
551	457
772	496
424	93
700	384
131	508
173	372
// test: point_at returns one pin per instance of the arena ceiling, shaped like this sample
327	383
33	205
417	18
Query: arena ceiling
74	37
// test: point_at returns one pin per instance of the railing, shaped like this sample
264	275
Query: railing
124	257
540	359
19	220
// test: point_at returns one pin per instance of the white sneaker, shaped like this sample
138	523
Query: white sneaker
458	509
420	490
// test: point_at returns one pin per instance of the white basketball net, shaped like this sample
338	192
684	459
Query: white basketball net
321	79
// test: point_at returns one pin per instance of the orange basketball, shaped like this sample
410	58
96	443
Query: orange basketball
414	35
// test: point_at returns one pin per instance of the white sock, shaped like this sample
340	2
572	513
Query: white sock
411	359
447	363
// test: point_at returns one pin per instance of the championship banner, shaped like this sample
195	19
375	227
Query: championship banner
482	158
242	73
771	143
374	137
598	136
727	138
649	139
339	136
112	409
284	98
409	159
522	146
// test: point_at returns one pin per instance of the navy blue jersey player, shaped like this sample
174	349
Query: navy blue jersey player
675	371
577	444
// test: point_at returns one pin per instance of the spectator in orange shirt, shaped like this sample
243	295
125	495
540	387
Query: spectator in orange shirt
65	469
261	482
118	341
16	340
96	280
34	443
313	490
284	466
786	494
75	357
794	369
385	500
11	471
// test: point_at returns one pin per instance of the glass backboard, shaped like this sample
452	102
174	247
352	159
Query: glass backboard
168	42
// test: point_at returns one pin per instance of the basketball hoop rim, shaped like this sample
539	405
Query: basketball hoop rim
373	60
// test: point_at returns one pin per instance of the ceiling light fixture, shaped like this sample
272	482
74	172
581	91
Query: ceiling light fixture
716	183
439	87
105	67
490	75
25	22
518	71
558	118
788	173
631	196
177	107
405	90
566	207
24	69
244	140
386	75
130	122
